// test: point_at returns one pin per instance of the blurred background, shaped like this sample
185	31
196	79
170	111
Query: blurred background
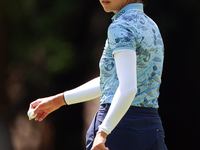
49	46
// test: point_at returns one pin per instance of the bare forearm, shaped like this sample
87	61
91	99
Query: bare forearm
59	100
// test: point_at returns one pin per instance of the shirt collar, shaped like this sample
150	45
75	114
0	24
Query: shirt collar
136	6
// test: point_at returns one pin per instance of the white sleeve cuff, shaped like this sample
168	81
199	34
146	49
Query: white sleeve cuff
104	130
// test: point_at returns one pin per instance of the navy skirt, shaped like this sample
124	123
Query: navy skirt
139	129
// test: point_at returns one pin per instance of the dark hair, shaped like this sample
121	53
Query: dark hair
142	1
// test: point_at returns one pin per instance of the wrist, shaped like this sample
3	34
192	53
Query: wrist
60	99
102	134
102	128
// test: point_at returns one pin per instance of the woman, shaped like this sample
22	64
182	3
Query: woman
130	77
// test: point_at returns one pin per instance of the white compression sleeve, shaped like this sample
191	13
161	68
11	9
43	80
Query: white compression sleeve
126	72
85	92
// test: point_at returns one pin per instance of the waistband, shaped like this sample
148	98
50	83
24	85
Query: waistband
133	109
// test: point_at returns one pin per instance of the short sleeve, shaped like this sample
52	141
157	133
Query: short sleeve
120	38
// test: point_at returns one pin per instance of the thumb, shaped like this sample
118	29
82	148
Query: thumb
38	108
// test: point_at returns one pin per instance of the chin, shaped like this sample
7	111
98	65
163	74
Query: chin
107	10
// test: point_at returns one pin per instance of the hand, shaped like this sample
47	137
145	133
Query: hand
44	106
99	141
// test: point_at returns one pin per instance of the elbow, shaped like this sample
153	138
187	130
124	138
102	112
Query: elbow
130	90
133	90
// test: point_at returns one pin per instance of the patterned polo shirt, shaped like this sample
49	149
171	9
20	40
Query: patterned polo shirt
132	29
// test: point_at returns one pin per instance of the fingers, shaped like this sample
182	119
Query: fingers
37	107
34	104
41	115
32	112
100	147
42	107
96	148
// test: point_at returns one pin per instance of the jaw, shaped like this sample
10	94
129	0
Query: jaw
106	5
111	6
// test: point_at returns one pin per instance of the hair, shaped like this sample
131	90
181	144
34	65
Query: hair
140	1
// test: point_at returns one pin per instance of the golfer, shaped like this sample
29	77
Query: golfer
130	77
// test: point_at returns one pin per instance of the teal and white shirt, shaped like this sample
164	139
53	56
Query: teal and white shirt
132	29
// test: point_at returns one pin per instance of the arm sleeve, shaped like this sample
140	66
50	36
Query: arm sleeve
126	71
85	92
